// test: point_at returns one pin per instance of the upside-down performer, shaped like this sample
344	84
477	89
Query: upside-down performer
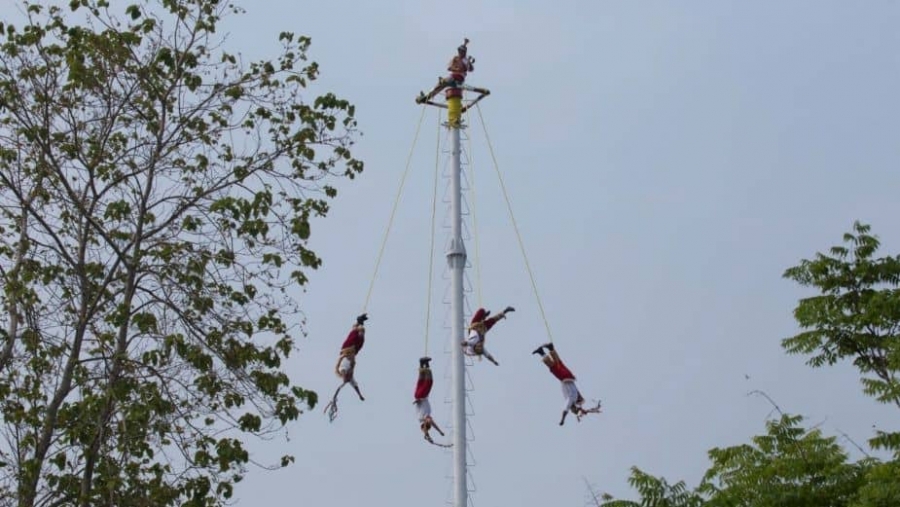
574	400
423	407
478	328
346	365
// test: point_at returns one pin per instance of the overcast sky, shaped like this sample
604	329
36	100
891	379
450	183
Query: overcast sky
666	163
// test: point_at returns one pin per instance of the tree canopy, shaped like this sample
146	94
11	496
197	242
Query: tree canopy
156	193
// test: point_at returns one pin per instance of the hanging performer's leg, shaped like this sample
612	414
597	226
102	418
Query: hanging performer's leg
346	368
573	399
423	406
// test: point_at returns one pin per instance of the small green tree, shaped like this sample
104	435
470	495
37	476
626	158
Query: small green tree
789	465
655	492
856	317
156	195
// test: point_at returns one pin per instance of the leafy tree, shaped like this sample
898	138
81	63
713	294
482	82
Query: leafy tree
881	486
789	465
856	316
655	492
156	195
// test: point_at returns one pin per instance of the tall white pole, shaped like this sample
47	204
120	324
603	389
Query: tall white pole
456	259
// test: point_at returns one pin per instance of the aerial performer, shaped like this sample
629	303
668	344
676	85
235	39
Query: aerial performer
478	328
574	400
459	67
346	365
423	407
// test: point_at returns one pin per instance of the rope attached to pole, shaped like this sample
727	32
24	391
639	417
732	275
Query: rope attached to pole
515	226
437	163
474	218
394	210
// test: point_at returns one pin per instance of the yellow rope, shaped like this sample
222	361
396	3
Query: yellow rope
516	227
394	210
437	163
474	218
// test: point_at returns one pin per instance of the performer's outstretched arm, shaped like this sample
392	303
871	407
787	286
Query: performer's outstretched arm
436	427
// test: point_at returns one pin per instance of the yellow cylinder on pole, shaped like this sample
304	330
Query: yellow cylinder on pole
454	110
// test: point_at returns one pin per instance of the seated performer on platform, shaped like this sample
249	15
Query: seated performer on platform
423	407
459	67
574	400
478	328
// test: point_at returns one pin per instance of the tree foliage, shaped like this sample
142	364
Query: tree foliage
789	465
855	316
156	194
655	492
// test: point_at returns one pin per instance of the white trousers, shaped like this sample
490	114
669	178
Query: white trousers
345	368
474	339
570	393
423	409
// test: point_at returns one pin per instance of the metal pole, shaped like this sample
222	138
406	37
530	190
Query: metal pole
456	260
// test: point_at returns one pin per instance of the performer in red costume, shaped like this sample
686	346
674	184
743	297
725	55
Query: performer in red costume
355	339
478	328
574	400
460	65
346	364
423	407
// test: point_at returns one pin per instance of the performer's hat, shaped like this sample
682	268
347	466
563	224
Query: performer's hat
362	318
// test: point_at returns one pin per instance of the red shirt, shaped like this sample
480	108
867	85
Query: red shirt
559	370
423	385
459	67
355	339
